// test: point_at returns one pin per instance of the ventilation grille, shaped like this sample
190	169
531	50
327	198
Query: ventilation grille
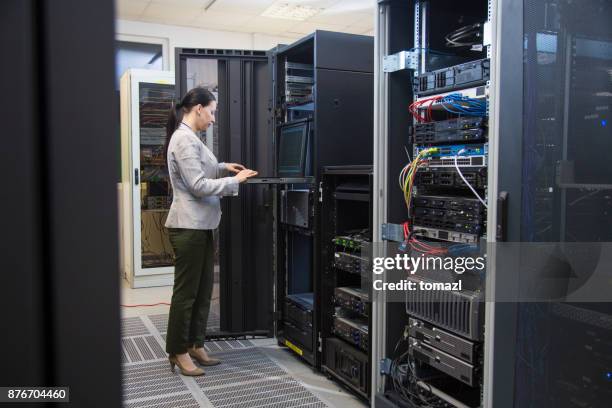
458	312
143	348
133	326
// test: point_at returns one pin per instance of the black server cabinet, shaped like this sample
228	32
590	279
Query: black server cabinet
554	136
346	237
337	101
269	256
242	134
552	61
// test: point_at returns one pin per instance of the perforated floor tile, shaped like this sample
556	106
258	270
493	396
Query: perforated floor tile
247	378
133	326
160	321
184	400
151	380
140	348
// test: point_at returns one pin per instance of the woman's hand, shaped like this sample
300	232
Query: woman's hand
234	167
245	174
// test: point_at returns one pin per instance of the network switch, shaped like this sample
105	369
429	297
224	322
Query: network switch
460	150
462	155
352	299
354	331
453	78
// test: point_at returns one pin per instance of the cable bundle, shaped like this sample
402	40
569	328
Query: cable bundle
408	173
462	105
465	36
454	103
426	104
404	379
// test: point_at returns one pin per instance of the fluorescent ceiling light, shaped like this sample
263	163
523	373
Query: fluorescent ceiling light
291	11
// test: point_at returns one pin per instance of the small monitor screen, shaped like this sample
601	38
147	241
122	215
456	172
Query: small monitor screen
292	150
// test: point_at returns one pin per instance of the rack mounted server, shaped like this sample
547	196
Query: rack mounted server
452	78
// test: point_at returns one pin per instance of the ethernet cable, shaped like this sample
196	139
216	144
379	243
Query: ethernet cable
460	152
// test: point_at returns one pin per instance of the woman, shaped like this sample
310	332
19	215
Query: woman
195	212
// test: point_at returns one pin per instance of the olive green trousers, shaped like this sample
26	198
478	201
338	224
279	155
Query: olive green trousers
193	284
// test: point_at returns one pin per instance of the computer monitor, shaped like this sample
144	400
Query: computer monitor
293	149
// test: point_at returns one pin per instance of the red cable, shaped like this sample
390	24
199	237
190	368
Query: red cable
146	305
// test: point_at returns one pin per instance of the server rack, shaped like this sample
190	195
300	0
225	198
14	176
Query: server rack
147	258
346	236
337	68
539	103
426	352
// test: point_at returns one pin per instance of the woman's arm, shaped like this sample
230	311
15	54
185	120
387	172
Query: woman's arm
223	169
191	168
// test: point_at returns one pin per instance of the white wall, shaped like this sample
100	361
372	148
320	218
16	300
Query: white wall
176	36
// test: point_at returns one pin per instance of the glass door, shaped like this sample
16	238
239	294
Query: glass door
553	329
152	195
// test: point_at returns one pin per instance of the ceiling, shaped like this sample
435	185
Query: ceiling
352	16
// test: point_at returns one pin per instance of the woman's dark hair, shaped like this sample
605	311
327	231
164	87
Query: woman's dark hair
196	96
